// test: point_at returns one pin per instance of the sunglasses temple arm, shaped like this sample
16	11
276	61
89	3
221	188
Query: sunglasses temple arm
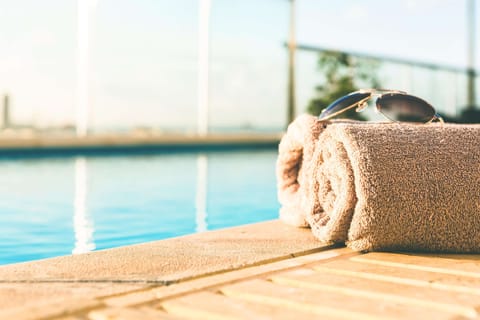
343	110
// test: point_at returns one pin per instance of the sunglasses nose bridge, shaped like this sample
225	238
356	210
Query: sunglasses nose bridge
362	104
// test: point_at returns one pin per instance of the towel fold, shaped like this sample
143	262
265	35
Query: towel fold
295	152
394	186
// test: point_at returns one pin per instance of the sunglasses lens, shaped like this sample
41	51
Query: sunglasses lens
403	107
343	103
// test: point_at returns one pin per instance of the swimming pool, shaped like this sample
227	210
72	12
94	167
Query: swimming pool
61	205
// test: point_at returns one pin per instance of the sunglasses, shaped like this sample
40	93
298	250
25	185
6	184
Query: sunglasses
395	105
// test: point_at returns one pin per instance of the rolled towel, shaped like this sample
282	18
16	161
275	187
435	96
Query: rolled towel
396	187
295	151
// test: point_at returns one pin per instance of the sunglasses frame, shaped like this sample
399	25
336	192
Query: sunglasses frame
378	93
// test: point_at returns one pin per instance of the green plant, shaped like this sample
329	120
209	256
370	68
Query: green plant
343	74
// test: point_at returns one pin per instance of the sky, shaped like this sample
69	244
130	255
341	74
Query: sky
143	55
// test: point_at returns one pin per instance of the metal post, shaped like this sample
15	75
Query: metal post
86	10
471	53
82	105
203	65
291	65
6	112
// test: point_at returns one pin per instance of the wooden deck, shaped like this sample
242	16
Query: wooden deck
326	283
333	284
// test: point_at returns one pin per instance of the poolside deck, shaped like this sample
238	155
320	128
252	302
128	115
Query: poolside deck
260	271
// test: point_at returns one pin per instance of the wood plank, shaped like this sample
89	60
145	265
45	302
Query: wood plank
459	266
455	303
405	276
51	309
143	313
211	306
323	303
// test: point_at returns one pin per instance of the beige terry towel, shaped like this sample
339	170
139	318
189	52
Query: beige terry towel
295	152
396	187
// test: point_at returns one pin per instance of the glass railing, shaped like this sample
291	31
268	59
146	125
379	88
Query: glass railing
445	87
134	65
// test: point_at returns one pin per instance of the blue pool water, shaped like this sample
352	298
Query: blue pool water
58	206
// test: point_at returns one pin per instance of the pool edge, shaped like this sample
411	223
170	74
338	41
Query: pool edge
159	263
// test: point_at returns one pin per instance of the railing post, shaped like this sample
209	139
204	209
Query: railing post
203	65
471	74
6	112
291	65
84	8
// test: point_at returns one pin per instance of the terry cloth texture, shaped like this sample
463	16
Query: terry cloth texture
395	187
295	151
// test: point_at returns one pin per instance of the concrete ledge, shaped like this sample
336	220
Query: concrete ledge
152	264
128	143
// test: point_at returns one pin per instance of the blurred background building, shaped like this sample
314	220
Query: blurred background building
229	66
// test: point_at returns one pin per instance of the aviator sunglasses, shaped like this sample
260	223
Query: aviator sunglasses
395	105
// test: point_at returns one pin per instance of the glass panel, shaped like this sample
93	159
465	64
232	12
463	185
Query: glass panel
37	63
145	65
248	65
